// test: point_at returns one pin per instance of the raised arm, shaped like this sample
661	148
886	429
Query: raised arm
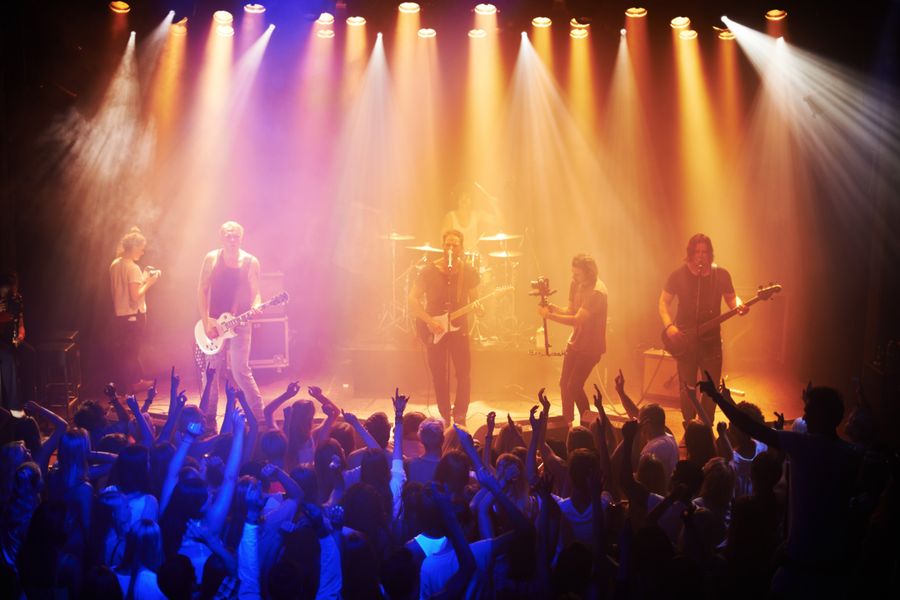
487	457
723	444
148	400
216	514
121	414
536	429
363	433
291	488
252	427
293	388
49	446
457	584
168	486
172	418
599	429
230	403
331	411
741	420
629	406
143	426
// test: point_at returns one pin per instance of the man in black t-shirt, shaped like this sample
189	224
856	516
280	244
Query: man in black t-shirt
700	285
586	314
445	285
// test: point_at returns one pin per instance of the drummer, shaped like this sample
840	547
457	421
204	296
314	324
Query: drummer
472	221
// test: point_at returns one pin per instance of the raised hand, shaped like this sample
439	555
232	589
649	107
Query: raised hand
399	401
268	470
109	390
292	389
779	421
181	398
238	420
491	422
726	393
31	408
533	419
350	418
151	393
708	386
722	428
542	398
210	371
465	438
316	392
630	429
510	421
230	392
598	398
330	410
620	382
174	382
132	403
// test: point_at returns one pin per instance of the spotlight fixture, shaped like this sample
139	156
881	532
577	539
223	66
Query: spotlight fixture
485	9
225	30
254	9
724	33
119	7
578	34
356	21
179	28
776	14
409	8
577	23
223	17
688	34
325	34
623	32
477	33
325	19
636	12
680	23
427	32
541	22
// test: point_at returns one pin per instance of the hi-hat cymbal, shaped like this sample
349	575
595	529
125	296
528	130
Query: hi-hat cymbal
499	237
397	237
425	248
505	254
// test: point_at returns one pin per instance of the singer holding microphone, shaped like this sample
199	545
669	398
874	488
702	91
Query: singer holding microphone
129	286
443	286
700	285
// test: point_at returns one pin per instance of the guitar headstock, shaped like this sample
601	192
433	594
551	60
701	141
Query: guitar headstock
281	298
764	293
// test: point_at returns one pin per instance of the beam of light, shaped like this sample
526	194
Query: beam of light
542	35
844	123
167	88
372	182
180	28
729	95
430	116
110	155
582	86
118	17
700	174
252	26
484	94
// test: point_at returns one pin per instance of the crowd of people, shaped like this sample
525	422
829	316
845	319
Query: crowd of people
397	505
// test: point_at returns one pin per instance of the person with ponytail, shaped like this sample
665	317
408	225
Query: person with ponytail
129	286
143	557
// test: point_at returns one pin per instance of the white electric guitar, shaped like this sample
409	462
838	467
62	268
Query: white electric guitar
226	325
446	319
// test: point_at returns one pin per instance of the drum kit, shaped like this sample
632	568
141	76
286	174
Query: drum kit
495	258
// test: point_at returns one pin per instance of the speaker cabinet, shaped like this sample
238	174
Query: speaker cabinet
269	346
660	381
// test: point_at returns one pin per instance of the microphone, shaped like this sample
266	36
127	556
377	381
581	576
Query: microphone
449	259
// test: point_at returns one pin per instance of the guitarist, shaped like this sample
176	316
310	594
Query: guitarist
586	315
700	285
447	284
229	282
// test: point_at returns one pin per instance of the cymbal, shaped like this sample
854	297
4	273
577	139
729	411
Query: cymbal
425	248
505	254
397	237
499	237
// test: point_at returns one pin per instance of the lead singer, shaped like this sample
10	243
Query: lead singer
586	314
446	284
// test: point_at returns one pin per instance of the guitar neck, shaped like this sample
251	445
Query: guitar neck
471	305
245	316
716	321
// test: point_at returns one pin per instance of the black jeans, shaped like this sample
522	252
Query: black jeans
129	339
706	356
577	367
455	347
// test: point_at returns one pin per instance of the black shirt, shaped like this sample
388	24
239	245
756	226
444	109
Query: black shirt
590	336
699	298
445	292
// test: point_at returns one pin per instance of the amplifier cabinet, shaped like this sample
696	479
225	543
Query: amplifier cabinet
270	345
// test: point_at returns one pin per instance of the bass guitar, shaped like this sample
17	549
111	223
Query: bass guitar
226	325
689	337
446	319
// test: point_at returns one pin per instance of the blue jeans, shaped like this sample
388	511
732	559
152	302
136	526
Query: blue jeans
235	354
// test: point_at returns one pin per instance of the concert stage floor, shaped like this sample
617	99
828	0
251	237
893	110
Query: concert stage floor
506	381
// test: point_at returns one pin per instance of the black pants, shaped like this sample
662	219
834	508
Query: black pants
577	367
129	339
454	346
9	384
705	356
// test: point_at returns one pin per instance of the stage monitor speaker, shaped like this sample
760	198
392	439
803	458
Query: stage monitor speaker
270	345
660	382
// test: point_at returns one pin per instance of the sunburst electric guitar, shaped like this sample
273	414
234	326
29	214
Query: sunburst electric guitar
446	319
226	325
